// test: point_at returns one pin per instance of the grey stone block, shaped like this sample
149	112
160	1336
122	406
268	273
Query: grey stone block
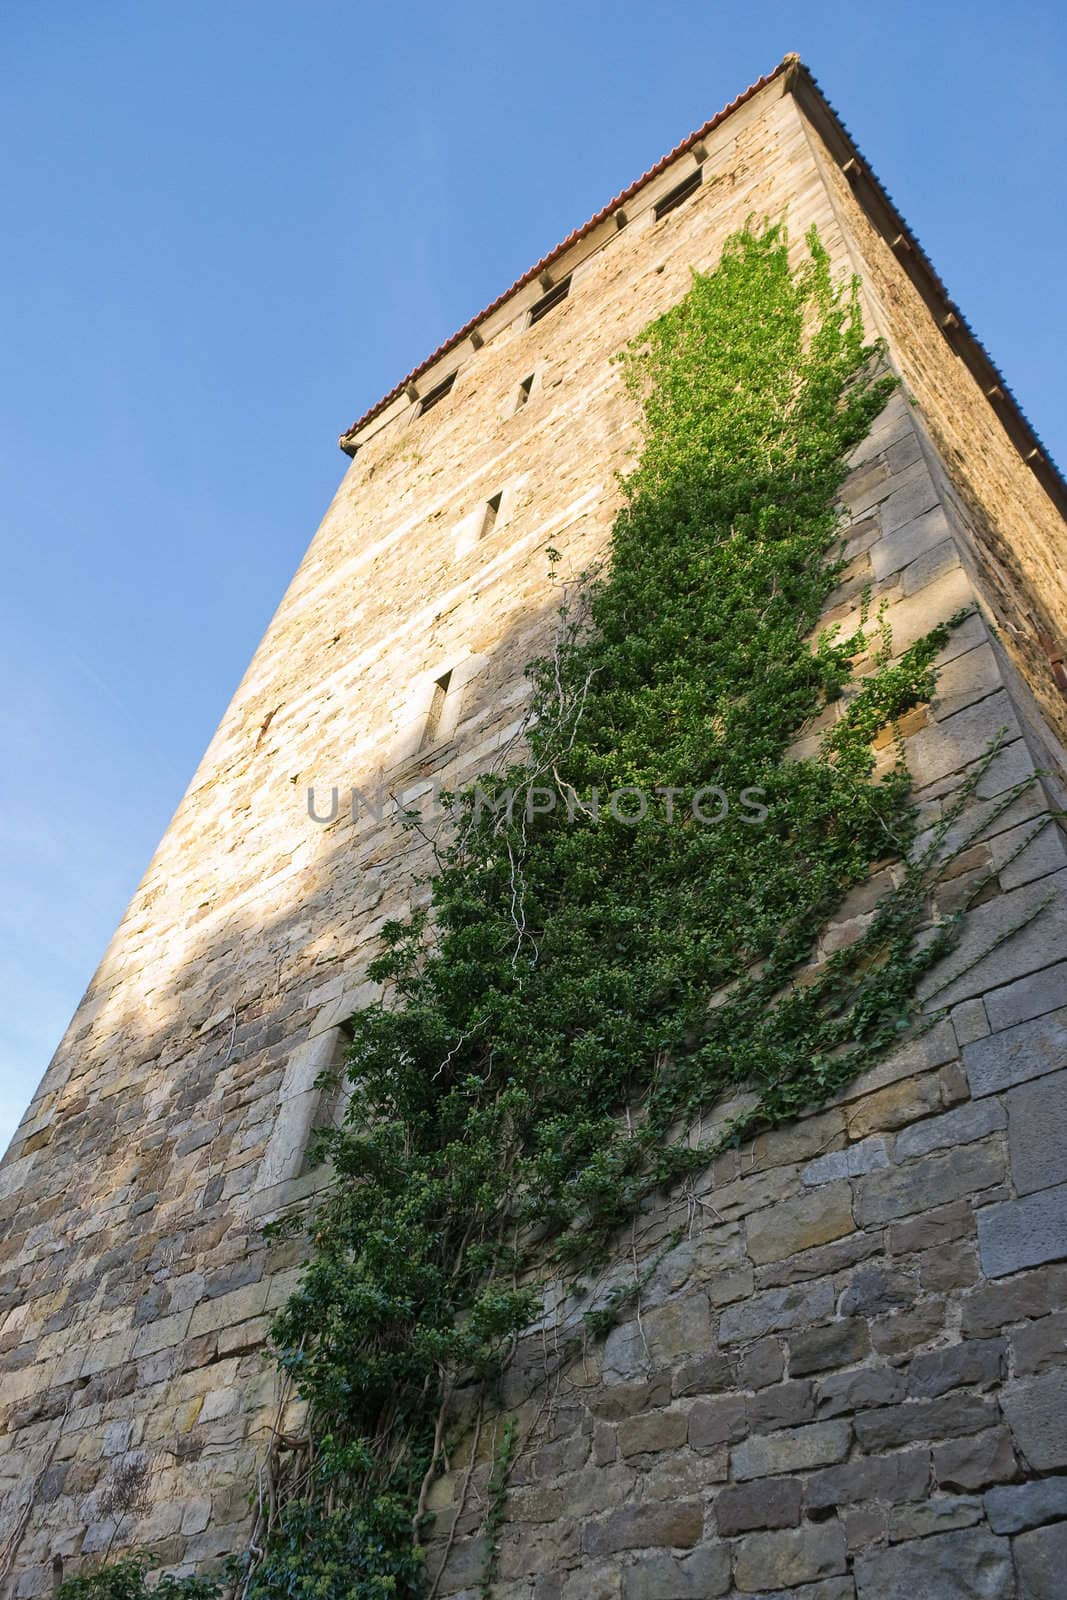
1023	1233
1003	939
949	1416
1037	1132
1041	1561
935	1372
960	1126
794	1450
662	1576
951	745
926	569
1027	997
904	542
922	1185
867	1156
973	1463
892	1479
913	496
1036	1409
796	1556
774	1309
967	1564
1015	1055
1013	1506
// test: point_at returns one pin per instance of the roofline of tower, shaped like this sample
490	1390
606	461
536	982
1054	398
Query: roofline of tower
880	211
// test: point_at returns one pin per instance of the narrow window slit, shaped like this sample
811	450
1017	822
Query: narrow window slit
438	392
437	709
679	194
549	301
492	511
525	390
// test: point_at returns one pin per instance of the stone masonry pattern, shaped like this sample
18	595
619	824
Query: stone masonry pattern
845	1377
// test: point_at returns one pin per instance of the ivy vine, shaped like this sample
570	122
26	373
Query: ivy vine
586	985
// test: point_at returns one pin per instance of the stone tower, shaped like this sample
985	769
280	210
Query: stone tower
850	1382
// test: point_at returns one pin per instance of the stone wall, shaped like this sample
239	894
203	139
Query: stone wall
847	1378
852	1349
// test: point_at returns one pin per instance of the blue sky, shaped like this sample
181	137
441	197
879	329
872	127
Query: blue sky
231	227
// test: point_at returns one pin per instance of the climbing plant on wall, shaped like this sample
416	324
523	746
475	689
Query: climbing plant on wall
591	979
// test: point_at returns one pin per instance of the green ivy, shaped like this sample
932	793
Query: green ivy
126	1580
584	989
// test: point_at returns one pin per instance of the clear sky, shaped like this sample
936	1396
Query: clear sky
231	226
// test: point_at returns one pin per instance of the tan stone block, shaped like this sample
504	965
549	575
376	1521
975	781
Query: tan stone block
813	1219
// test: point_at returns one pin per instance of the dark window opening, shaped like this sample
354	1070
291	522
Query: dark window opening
438	392
679	194
558	292
492	511
525	389
437	708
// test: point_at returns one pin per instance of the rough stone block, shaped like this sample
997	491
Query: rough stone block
969	1564
793	1450
682	1327
1040	1345
932	1231
935	1372
925	1419
1022	1233
786	1559
866	1156
661	1576
1012	1507
766	1503
994	1305
927	1183
782	1230
874	1289
1036	1409
677	1526
939	1514
893	1478
973	1463
784	1405
1015	1055
656	1430
861	1390
1037	1132
962	1125
715	1422
835	1344
1041	1562
1029	997
775	1309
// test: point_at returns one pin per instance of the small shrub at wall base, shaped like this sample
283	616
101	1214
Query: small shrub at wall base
584	989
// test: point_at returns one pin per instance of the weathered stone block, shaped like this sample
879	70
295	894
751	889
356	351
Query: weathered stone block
835	1344
933	1230
1012	1507
761	1364
934	1372
925	1419
776	1309
1040	1345
705	1374
960	1126
786	1559
970	1564
784	1405
1015	1055
866	1387
1036	1409
928	1183
973	1463
718	1421
636	1527
682	1327
1037	1132
1029	997
766	1503
662	1576
656	1430
903	1476
800	1224
793	1450
1041	1562
874	1289
939	1514
866	1156
1022	1233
